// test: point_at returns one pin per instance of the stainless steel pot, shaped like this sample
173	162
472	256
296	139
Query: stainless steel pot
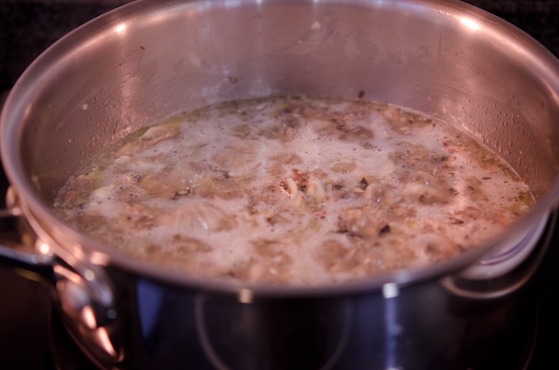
147	60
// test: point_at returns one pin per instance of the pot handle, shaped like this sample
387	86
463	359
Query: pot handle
83	290
506	270
32	266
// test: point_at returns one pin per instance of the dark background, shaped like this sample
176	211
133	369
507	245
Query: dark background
27	27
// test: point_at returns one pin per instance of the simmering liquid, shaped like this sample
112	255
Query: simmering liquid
295	190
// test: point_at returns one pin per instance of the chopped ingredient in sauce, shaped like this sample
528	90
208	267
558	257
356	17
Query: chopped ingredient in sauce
295	190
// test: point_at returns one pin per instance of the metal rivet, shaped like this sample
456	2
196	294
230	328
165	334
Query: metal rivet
390	290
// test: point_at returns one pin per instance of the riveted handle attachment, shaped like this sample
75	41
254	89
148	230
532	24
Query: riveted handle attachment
508	268
83	290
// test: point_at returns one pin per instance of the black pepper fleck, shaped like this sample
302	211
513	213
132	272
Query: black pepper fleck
363	184
384	230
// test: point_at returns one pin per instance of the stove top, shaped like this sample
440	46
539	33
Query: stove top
31	336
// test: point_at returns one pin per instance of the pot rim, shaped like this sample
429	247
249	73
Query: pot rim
36	209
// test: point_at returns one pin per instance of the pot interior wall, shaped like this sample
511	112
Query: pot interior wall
147	61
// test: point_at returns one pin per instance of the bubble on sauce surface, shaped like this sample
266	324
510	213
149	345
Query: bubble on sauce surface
296	190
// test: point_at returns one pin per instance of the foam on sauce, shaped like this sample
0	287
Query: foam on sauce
295	190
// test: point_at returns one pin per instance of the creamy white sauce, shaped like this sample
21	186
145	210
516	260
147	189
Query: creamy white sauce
295	191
